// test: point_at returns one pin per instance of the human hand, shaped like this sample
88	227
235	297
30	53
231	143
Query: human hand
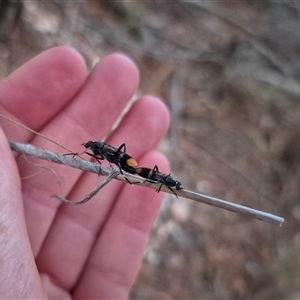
49	249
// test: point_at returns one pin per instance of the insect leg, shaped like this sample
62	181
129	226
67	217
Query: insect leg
122	146
158	190
97	157
155	169
121	171
172	192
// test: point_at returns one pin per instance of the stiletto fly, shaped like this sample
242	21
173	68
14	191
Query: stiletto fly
114	155
154	176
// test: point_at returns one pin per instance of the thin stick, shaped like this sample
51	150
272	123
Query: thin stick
232	207
91	167
114	173
81	164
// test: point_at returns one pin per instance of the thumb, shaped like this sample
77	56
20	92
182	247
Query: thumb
19	278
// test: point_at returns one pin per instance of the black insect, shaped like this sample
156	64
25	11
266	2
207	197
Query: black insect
154	176
114	155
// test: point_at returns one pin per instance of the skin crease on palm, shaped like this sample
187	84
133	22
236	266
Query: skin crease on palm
52	250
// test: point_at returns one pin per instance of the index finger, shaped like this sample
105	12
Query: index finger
38	90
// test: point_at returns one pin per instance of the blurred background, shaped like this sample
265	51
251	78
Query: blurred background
229	71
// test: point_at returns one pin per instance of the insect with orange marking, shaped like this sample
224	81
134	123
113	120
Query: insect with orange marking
117	156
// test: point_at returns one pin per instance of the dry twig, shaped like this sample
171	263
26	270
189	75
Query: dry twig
95	168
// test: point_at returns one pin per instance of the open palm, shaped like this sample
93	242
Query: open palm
53	250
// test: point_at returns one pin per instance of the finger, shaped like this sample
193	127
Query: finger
38	90
52	290
20	279
92	112
75	229
117	255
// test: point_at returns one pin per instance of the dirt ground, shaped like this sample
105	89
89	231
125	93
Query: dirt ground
229	72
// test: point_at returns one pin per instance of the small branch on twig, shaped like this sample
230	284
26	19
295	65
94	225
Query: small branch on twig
115	172
94	168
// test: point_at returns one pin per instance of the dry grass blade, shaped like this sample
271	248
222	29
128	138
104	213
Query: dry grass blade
35	132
